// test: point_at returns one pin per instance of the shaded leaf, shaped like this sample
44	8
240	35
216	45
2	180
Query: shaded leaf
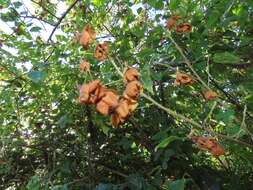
167	141
146	78
36	76
226	57
176	185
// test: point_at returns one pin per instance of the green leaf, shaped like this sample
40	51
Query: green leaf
98	3
176	185
226	57
174	4
213	18
17	4
105	130
155	3
225	115
104	186
4	3
146	78
35	29
235	130
145	52
167	141
60	187
63	121
34	183
136	182
36	76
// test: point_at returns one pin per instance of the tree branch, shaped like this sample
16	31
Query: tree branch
188	63
182	117
62	17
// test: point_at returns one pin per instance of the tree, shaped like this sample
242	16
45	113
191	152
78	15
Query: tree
188	124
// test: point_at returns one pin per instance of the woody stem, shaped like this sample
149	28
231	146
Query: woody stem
188	63
180	116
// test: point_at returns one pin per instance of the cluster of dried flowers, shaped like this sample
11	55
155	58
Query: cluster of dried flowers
209	144
182	78
205	143
180	28
87	36
185	79
108	102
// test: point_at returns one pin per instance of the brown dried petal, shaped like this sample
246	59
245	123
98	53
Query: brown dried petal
182	78
84	66
87	36
86	91
210	95
209	144
123	109
101	52
172	21
103	108
131	74
133	90
184	27
115	120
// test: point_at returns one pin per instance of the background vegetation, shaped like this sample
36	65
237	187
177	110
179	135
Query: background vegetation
49	141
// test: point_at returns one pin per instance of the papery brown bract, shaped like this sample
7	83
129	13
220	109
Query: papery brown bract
133	90
101	52
182	79
131	74
103	108
210	95
115	120
111	98
183	28
84	66
172	21
86	92
108	102
87	36
209	144
123	109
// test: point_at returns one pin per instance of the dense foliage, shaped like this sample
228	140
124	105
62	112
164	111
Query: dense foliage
50	141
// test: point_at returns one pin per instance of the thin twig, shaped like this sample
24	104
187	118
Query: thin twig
209	114
62	17
243	124
188	63
182	117
114	171
44	8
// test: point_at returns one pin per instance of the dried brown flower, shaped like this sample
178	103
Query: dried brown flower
182	78
131	74
84	66
210	95
184	28
172	21
101	52
87	36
